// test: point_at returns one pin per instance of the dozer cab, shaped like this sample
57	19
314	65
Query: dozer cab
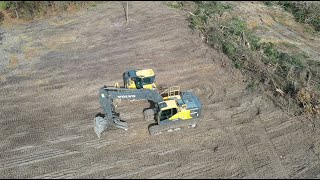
139	79
172	110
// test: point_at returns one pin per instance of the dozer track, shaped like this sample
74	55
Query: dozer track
173	126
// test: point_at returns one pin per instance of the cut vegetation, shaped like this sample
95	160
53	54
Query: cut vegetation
277	67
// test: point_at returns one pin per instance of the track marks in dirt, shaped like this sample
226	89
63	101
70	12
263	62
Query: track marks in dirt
47	118
272	153
78	172
33	158
257	153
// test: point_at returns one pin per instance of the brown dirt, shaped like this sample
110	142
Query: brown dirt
48	104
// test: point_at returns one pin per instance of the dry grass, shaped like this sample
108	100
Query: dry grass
29	54
268	20
72	8
3	79
56	42
252	24
13	62
309	100
10	21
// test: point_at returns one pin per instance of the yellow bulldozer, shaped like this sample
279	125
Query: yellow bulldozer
139	79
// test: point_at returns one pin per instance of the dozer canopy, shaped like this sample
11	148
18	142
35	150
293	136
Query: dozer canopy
139	79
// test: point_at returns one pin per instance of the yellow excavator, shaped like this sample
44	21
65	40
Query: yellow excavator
172	109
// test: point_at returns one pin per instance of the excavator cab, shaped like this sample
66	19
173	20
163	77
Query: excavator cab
179	109
139	79
167	114
177	106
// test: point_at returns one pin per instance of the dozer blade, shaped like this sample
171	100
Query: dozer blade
101	124
174	126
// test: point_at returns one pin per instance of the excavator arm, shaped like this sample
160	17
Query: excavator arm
106	97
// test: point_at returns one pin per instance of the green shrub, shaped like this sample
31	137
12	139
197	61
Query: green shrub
3	5
252	85
318	87
175	4
238	65
283	59
269	3
228	48
294	60
304	12
316	23
270	51
94	4
254	41
236	26
197	22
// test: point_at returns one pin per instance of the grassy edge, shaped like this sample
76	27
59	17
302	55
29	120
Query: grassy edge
286	76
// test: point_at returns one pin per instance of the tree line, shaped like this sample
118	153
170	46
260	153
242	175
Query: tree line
31	9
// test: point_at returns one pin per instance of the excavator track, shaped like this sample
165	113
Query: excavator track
174	126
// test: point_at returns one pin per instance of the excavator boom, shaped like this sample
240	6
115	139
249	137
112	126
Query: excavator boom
106	97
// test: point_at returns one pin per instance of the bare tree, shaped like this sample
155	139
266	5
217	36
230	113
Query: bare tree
15	9
127	15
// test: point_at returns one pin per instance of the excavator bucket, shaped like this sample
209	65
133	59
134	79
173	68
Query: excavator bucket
101	124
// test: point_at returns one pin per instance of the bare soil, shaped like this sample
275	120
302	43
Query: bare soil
51	72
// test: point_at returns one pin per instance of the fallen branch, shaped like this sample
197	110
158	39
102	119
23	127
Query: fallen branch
192	14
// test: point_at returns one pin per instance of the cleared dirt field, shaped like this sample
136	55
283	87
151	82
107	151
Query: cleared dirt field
51	72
